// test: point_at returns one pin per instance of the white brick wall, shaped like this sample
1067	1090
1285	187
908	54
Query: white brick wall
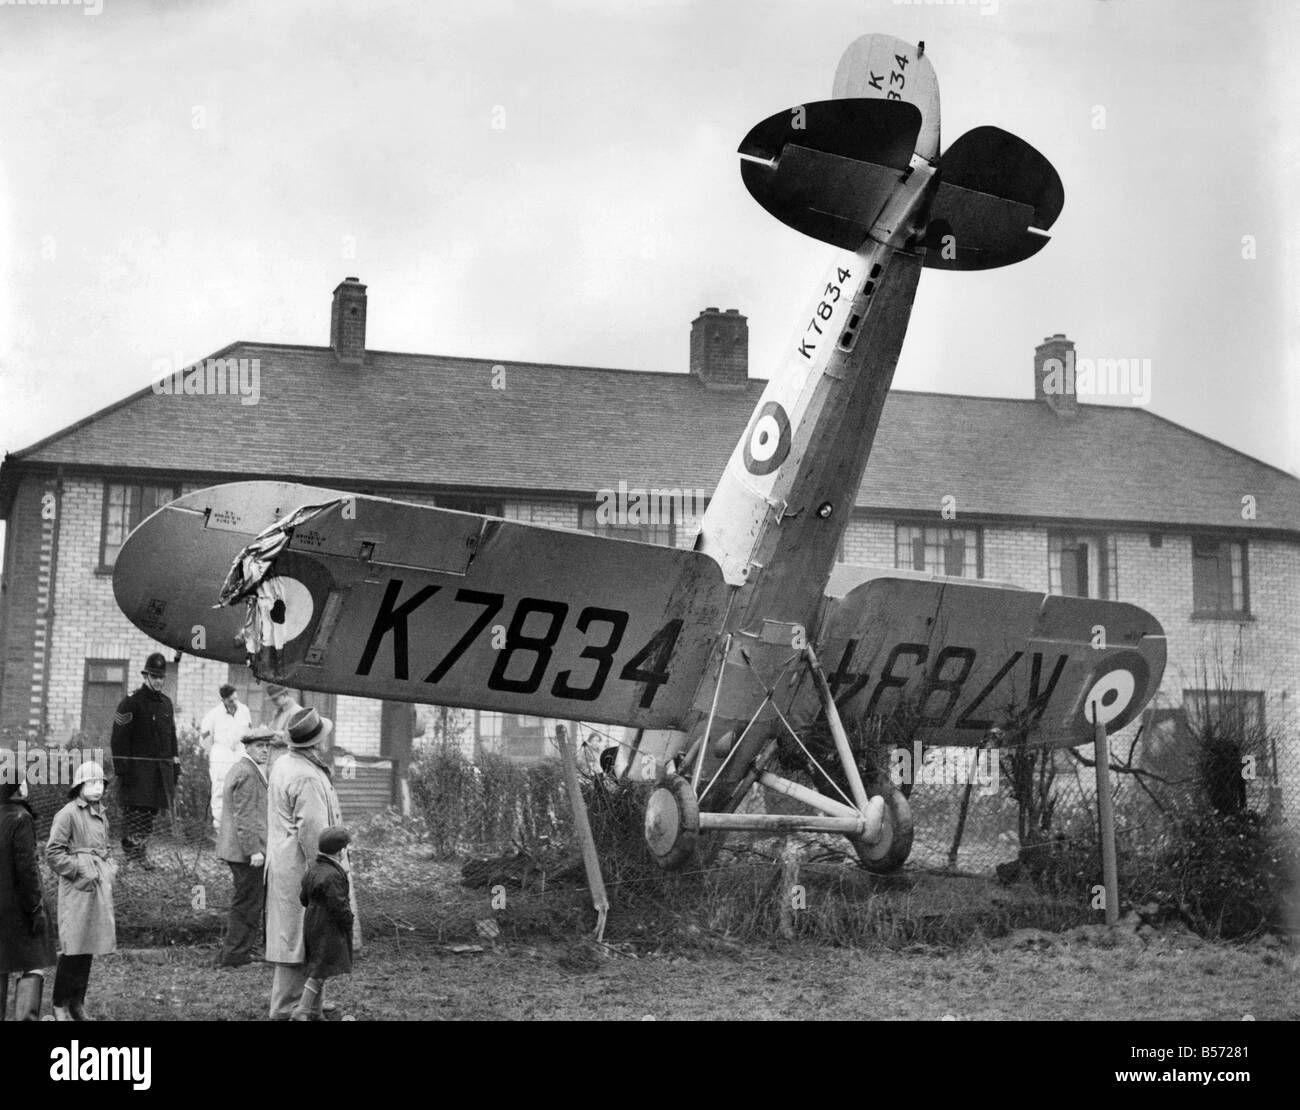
88	624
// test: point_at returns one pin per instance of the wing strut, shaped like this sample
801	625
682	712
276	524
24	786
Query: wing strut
582	829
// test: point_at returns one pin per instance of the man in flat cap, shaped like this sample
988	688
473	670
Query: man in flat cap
241	842
146	761
301	805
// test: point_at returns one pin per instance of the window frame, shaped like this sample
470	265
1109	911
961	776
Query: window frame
1107	571
974	530
1230	614
125	687
105	567
613	531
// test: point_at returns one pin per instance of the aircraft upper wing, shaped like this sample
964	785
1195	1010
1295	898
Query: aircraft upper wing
968	657
386	599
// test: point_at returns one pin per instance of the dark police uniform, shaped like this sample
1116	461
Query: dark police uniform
145	760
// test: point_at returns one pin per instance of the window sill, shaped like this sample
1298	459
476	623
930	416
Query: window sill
104	572
1225	615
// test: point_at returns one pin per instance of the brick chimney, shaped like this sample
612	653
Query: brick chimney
720	348
1054	374
348	322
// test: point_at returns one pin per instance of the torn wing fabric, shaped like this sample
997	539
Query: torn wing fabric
250	578
254	562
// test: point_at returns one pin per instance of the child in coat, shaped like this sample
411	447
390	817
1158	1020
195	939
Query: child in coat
327	924
78	853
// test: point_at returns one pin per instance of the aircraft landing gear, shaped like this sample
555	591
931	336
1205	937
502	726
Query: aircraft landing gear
890	852
672	823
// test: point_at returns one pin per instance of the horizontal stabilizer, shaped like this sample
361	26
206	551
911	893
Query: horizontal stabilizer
828	167
994	202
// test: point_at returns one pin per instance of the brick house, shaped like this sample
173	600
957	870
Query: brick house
1047	493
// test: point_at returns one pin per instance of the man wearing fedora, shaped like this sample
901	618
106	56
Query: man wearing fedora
301	804
241	842
146	761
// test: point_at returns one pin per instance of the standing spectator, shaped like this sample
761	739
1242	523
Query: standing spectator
327	925
145	759
220	732
241	842
78	854
25	943
301	804
285	707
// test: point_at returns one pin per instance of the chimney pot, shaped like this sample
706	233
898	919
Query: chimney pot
720	348
348	322
1054	374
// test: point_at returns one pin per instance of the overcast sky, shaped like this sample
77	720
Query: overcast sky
176	176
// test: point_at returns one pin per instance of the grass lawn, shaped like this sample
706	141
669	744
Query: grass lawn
1024	976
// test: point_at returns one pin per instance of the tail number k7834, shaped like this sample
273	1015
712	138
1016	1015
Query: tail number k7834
524	659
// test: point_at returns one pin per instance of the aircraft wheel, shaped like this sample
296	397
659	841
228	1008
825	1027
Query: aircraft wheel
672	823
895	844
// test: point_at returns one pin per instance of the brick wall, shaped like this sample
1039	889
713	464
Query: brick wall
21	659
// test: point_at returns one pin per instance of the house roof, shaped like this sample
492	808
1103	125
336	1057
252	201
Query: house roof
423	420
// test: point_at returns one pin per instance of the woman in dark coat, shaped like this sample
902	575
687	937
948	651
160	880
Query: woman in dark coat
26	946
327	924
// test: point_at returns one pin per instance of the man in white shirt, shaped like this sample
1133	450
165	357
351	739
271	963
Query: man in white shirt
221	732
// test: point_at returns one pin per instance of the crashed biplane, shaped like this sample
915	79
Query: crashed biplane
754	638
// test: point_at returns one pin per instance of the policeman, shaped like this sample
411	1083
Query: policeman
145	758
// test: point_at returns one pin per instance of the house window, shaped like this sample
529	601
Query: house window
1235	712
511	734
649	523
950	551
125	506
104	687
1220	582
1080	565
472	505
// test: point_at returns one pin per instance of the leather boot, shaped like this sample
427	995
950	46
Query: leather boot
27	998
77	1008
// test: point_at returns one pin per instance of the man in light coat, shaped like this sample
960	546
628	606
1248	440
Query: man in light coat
241	842
301	804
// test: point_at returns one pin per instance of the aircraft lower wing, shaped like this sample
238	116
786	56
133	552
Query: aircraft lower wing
966	658
386	599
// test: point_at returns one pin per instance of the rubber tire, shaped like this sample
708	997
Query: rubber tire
682	849
889	853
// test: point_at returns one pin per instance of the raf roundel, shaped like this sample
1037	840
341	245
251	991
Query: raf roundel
1118	689
768	442
296	611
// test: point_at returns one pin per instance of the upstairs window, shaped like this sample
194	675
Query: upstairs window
955	552
655	522
1080	565
1220	580
125	506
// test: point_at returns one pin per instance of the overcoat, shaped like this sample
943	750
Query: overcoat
327	923
144	749
243	813
21	902
301	804
78	854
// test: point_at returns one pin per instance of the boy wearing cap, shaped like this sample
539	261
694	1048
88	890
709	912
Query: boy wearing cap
327	924
285	707
78	853
146	760
301	804
241	842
